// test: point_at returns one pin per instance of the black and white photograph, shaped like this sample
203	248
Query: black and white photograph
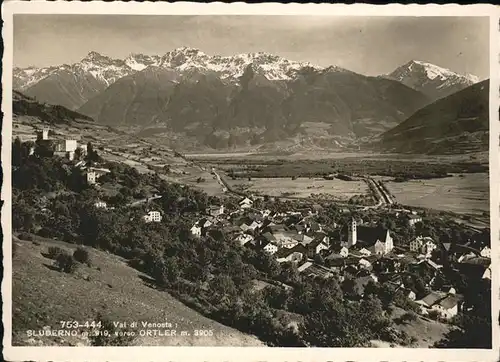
250	180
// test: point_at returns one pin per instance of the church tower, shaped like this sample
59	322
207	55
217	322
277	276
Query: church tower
352	236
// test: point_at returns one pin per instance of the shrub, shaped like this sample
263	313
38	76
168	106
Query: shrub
407	318
82	255
66	263
26	236
410	317
54	252
433	314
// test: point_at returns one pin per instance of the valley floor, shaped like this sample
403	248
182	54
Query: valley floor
465	194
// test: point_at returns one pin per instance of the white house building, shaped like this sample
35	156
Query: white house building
246	203
365	252
486	252
244	238
152	216
66	148
364	263
424	245
270	248
93	174
413	219
344	252
196	230
216	210
100	205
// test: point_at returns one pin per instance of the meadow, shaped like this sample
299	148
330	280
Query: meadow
463	194
302	187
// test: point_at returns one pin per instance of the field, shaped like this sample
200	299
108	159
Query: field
303	187
42	297
467	194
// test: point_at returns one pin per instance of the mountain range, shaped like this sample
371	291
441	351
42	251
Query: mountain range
241	100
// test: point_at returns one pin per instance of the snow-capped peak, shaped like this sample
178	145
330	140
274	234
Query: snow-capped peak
272	66
433	80
139	62
431	71
108	70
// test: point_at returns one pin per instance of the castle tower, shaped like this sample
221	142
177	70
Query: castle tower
43	134
352	236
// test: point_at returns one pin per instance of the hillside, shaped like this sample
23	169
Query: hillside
456	124
23	105
434	81
42	297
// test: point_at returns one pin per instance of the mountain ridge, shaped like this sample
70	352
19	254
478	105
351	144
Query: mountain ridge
435	81
458	123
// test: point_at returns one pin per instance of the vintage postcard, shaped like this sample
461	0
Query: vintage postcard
189	176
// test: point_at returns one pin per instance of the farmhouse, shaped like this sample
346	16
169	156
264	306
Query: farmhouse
486	252
286	239
245	203
66	148
152	216
270	248
244	238
205	222
196	230
315	247
424	245
93	174
100	205
289	255
83	149
365	252
365	264
304	239
215	210
413	219
447	305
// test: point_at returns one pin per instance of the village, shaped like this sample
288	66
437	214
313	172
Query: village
361	251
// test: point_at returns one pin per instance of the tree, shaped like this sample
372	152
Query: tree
472	331
78	153
276	297
17	149
223	288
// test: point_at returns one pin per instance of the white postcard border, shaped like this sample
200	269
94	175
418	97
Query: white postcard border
245	353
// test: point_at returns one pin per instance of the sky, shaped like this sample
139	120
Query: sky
367	45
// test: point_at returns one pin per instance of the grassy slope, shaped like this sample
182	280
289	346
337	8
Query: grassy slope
43	297
426	331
